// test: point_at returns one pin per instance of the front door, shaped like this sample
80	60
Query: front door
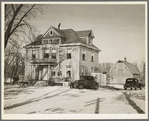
45	73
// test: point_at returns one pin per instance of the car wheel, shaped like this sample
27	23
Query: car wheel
74	85
81	86
71	86
125	88
96	87
135	88
131	88
140	88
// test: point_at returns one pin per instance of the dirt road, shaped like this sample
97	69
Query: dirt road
63	100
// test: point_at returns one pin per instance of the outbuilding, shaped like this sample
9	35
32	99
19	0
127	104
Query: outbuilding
122	70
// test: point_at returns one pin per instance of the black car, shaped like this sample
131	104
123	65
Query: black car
132	83
84	82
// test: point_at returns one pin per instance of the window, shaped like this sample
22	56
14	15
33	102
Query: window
51	33
92	70
68	53
68	71
53	55
33	54
50	41
92	56
83	54
46	53
53	73
82	71
45	41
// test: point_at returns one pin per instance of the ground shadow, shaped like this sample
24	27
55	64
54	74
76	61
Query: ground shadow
33	100
133	104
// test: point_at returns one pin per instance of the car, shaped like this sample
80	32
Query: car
85	82
132	83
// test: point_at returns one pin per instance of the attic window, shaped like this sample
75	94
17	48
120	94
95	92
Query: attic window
51	33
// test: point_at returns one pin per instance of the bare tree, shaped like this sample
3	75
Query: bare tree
16	20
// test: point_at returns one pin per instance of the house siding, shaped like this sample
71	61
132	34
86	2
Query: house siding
87	63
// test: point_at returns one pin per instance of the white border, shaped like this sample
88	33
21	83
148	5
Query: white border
72	116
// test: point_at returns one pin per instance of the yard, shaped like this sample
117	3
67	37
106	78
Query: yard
63	100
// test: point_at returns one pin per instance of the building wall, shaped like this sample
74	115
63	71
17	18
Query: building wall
73	62
116	76
87	63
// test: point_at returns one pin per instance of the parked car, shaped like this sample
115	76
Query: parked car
84	82
132	83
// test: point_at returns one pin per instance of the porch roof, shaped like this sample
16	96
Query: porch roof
45	60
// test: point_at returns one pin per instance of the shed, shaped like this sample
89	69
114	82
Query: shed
122	70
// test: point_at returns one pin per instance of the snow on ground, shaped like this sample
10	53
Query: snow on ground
63	100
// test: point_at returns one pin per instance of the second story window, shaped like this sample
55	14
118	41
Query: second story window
46	53
33	54
92	56
45	41
53	54
83	54
68	53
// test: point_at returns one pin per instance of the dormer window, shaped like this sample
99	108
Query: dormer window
50	41
33	54
45	41
51	33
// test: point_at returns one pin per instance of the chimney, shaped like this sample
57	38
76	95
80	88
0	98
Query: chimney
59	25
125	59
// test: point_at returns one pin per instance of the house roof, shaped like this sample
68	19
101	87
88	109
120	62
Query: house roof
133	68
69	35
84	33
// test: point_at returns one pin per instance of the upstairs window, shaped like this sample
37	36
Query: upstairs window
68	53
83	54
53	54
50	41
45	41
33	54
46	53
92	57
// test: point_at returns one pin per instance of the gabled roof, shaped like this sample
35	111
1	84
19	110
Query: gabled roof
69	36
133	68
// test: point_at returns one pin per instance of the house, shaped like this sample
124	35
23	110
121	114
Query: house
122	70
61	53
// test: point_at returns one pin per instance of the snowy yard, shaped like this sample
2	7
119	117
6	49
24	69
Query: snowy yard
63	100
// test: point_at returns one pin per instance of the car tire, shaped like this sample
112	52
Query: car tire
125	88
135	88
75	85
131	88
96	87
140	88
81	86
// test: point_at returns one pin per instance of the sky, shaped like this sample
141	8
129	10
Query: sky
119	30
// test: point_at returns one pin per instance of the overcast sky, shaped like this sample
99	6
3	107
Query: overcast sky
119	30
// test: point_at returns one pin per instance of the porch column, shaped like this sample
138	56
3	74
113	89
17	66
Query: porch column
49	72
